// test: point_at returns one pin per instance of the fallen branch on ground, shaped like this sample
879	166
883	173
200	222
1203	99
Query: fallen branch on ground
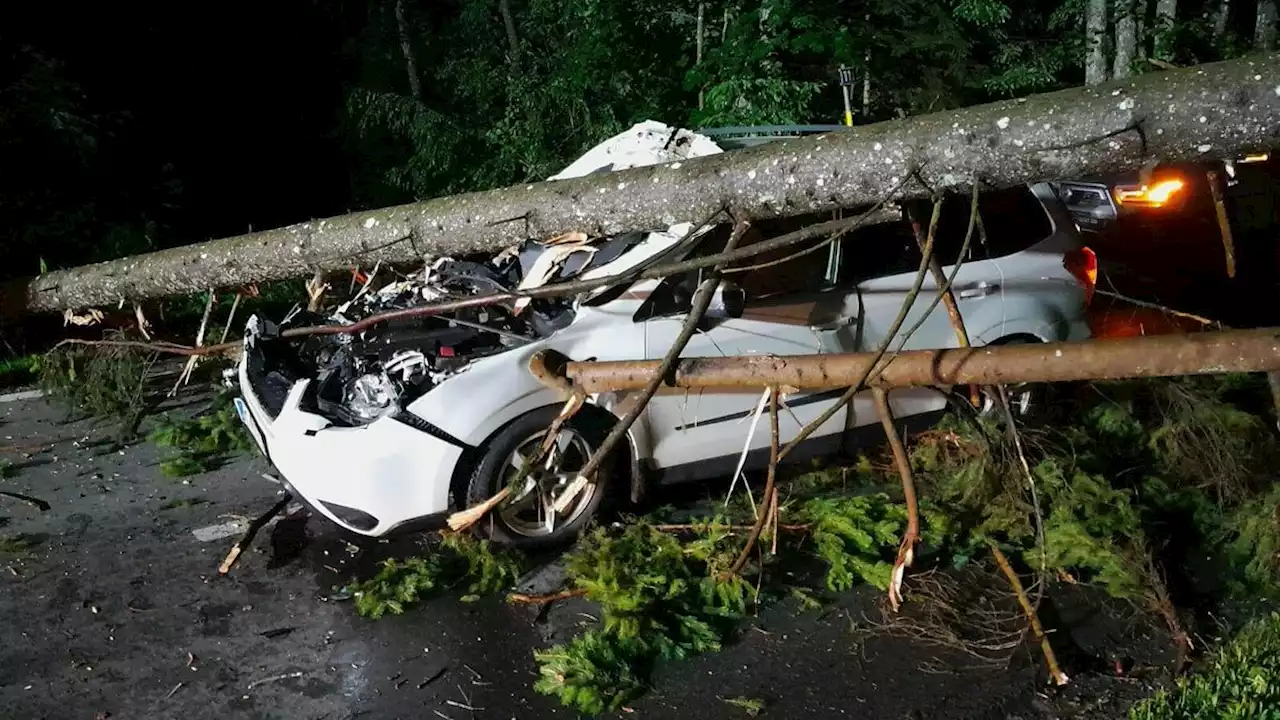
1058	677
696	527
522	599
35	502
251	532
1162	308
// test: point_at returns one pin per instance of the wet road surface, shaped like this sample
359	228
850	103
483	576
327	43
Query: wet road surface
118	611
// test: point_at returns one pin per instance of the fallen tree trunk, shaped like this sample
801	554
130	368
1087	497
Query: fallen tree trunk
1109	359
1207	111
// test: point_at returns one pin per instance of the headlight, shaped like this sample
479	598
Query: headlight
370	397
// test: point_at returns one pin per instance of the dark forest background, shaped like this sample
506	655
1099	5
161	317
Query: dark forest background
126	128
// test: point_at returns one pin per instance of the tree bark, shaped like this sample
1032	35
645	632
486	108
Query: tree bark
1166	14
1205	353
1126	41
1141	32
1095	29
1220	17
1213	110
513	38
1264	31
702	8
406	48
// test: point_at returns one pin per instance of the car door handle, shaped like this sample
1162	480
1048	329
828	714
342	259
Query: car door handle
976	291
836	325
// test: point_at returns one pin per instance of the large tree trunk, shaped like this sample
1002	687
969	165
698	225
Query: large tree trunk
1095	29
1221	14
1207	111
1264	31
513	38
1140	13
1126	41
406	48
700	39
1166	14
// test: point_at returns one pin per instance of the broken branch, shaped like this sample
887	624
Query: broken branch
1058	677
251	532
857	386
522	599
906	551
765	512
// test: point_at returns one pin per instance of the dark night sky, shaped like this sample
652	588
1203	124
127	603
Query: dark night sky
241	100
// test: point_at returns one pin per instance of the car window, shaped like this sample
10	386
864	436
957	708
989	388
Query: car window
795	271
1013	220
877	250
786	270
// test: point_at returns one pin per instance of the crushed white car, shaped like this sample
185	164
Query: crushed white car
394	427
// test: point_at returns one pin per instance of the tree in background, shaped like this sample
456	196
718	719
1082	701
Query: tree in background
340	105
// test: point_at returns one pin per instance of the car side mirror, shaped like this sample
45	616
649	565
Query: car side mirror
727	302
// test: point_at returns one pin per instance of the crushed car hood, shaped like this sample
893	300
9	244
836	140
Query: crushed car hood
359	377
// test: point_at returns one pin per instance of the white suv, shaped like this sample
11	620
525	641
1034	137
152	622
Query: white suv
396	427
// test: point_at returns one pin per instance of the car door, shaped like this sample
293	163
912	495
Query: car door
692	427
878	266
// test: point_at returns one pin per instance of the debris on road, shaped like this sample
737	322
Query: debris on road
35	502
275	678
251	532
433	677
21	395
220	531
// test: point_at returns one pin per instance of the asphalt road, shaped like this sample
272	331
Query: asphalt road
118	611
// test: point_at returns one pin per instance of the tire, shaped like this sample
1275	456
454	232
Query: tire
521	523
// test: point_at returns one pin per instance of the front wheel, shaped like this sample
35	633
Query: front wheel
528	518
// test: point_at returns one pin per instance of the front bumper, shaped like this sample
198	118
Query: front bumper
371	479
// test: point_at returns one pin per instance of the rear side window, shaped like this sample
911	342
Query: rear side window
876	251
1012	221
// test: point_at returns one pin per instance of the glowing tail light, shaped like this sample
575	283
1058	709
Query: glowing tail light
1148	195
1083	265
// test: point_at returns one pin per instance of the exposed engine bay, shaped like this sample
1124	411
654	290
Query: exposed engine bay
363	376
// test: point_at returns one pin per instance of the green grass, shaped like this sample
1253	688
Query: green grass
1242	682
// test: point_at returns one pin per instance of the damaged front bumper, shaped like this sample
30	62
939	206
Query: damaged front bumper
393	473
